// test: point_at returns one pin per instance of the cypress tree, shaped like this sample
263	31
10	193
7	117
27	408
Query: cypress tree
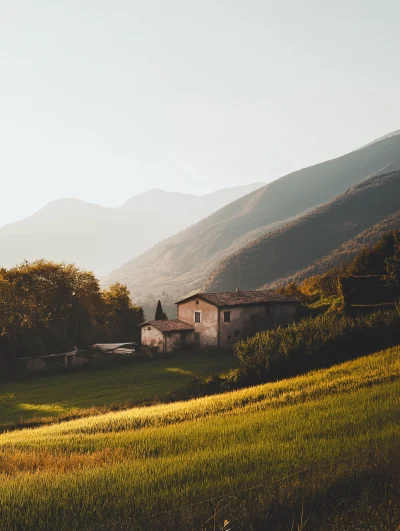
160	315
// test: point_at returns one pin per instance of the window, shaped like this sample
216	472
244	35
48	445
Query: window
236	334
227	317
149	328
197	317
183	335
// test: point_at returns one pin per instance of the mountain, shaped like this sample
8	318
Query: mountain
100	238
389	135
299	243
183	262
345	253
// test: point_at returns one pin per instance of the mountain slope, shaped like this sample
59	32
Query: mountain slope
345	253
299	243
183	262
101	238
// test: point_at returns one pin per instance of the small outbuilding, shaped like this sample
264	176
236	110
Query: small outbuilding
167	335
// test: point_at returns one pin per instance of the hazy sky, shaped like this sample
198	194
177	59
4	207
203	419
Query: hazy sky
102	100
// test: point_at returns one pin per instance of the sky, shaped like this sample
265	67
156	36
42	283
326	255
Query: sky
102	100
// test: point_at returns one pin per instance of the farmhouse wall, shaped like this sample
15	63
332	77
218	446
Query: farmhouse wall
208	326
244	321
174	340
281	314
151	337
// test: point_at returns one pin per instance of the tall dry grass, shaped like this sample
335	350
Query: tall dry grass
318	445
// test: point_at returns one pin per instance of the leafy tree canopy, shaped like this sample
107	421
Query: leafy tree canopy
122	317
48	307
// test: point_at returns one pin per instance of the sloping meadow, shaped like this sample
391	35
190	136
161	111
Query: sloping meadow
311	447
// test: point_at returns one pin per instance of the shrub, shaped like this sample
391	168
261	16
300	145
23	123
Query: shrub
317	342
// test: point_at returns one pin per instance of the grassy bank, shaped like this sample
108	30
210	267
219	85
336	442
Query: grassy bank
79	394
317	452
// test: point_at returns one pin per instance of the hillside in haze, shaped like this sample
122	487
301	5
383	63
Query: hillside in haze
184	262
100	238
344	254
299	243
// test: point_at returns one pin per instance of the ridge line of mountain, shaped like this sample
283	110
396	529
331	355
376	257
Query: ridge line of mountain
183	262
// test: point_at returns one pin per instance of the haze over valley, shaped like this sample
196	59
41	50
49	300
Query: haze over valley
100	238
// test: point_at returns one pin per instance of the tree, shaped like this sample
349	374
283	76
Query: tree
122	317
47	307
160	314
392	263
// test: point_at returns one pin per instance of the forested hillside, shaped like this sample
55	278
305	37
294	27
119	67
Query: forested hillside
183	262
298	244
343	254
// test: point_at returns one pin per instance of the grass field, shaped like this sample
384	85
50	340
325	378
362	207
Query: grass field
83	393
320	451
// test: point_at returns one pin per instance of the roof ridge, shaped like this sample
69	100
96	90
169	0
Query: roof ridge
237	298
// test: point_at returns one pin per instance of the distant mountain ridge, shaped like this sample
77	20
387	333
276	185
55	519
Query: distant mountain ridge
100	238
191	260
298	244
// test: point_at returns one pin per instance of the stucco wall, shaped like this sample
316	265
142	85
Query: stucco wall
281	314
174	340
166	342
248	320
152	337
208	327
245	320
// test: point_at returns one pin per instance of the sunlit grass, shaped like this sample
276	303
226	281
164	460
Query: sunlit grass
53	409
114	471
95	391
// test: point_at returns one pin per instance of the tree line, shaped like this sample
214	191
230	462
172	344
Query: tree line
383	260
48	307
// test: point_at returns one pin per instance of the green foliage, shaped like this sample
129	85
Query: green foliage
48	307
324	290
345	253
160	314
122	317
392	262
45	306
324	445
316	342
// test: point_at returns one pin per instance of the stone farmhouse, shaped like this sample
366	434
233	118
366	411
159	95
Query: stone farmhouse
220	319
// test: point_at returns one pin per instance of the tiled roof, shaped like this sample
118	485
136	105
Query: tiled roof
170	325
239	298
